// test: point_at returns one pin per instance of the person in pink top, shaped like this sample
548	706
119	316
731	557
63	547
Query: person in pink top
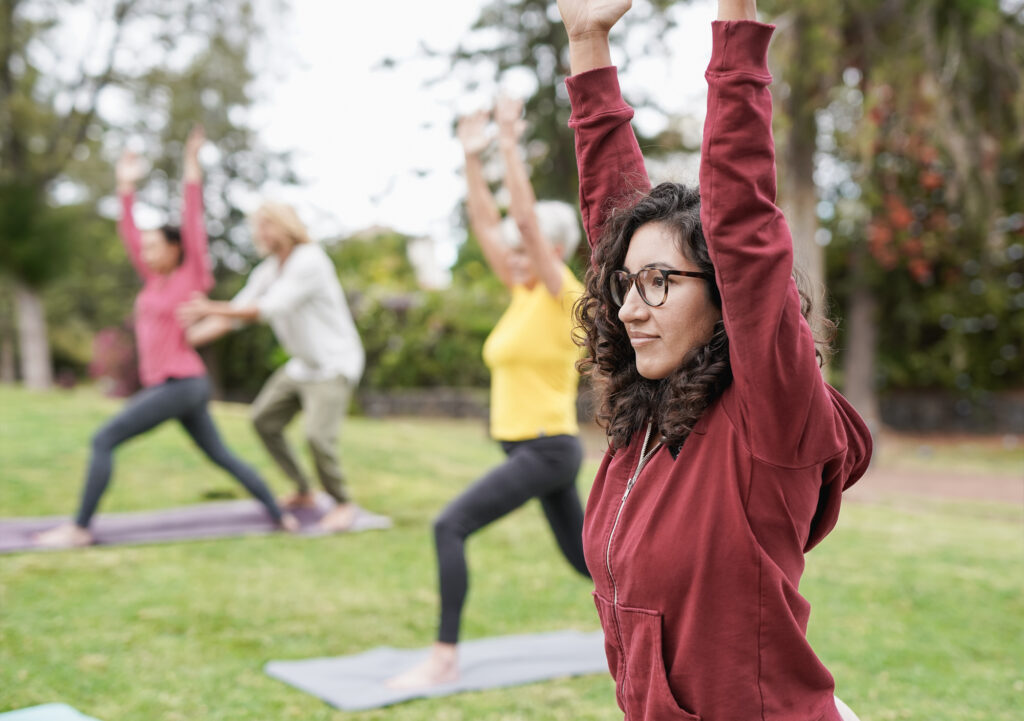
173	264
728	452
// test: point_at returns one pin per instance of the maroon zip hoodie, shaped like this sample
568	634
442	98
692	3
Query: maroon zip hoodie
696	569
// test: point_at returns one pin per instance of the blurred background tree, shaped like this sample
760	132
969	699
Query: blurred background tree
77	82
900	159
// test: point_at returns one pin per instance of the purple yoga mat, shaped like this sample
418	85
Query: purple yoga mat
207	520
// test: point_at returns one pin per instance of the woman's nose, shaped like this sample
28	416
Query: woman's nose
633	306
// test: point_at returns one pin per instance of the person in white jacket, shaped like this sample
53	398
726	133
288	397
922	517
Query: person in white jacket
296	290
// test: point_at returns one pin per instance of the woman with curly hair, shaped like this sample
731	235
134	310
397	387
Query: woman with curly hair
728	453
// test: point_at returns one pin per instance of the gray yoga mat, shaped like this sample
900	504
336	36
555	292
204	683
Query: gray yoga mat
357	683
46	712
220	519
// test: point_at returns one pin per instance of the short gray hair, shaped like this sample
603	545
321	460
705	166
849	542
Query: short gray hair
559	224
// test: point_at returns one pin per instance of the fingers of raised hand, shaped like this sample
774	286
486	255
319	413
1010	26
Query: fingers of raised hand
508	111
129	167
195	140
472	131
586	16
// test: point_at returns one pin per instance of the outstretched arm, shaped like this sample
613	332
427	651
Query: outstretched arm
199	309
522	201
484	218
207	320
607	154
193	228
127	173
207	330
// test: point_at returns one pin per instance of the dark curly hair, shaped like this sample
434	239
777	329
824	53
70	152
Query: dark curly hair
627	400
172	236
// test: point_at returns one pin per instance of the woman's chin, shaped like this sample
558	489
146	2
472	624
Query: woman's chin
652	371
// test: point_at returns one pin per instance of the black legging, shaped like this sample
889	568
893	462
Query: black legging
184	399
543	468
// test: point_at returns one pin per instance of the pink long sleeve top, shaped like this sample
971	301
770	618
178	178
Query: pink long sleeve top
696	568
163	351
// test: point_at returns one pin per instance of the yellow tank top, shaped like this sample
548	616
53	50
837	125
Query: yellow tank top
532	359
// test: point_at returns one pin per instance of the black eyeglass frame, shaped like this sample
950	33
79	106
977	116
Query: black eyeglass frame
632	277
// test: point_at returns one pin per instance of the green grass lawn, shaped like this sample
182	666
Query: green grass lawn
919	612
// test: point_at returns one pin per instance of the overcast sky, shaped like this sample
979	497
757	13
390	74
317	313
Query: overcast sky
374	146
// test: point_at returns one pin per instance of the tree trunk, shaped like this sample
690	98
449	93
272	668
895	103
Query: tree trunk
8	374
799	200
36	369
861	348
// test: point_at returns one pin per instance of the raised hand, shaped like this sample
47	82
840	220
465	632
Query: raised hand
128	171
192	169
586	17
472	132
508	113
194	142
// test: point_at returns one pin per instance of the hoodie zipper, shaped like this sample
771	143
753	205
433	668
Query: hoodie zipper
645	456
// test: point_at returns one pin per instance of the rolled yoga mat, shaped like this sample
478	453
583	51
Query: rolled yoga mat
46	712
357	683
221	519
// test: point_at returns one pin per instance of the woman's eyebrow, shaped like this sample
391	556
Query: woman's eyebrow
657	264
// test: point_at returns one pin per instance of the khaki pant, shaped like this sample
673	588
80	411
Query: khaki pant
324	404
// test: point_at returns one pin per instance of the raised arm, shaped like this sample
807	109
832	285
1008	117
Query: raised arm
783	402
127	173
193	228
607	155
548	267
484	218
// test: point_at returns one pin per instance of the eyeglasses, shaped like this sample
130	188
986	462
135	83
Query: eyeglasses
651	283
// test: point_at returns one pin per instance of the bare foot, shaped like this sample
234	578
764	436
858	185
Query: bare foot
440	668
340	518
299	499
289	523
67	536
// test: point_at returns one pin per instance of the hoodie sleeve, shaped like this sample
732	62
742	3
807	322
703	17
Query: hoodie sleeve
608	157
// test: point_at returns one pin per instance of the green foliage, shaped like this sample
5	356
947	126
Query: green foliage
429	338
35	236
931	216
95	290
418	338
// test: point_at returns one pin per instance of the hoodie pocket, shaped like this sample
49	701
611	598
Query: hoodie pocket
646	695
633	644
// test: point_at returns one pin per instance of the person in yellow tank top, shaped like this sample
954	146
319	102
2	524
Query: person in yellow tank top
532	358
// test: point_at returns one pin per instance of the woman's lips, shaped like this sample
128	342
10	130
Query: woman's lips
638	340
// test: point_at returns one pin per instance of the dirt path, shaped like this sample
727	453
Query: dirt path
882	483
